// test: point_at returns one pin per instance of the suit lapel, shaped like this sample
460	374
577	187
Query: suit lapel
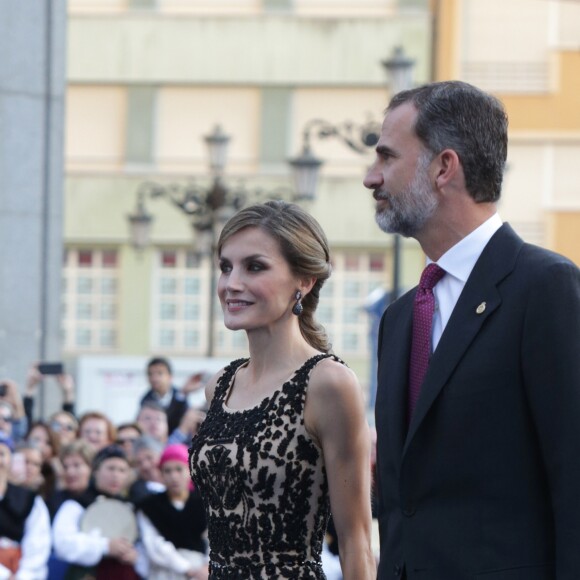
496	261
393	374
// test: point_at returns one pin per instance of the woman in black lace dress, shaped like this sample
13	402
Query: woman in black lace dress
285	439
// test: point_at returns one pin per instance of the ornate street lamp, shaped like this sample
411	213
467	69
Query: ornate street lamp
140	223
358	137
208	208
217	144
306	168
399	69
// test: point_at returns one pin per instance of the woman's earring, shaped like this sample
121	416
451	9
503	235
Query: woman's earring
298	308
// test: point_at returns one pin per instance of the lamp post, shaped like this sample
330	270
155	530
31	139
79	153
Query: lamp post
360	137
399	68
208	208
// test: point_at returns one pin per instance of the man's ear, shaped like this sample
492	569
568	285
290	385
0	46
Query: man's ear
448	167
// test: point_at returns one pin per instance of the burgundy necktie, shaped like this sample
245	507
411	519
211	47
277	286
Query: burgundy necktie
423	309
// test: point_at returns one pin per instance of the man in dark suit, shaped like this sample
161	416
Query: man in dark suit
478	450
162	391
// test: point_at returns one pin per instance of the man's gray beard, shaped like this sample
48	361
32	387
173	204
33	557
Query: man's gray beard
408	210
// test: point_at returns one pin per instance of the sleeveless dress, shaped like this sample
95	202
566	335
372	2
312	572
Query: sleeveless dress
263	483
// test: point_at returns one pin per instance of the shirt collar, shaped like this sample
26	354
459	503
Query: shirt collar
164	400
460	259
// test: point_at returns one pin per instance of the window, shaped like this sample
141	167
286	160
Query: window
192	339
350	341
351	315
377	262
168	285
324	313
169	259
84	310
352	288
191	311
85	258
192	286
168	311
351	262
90	296
167	338
342	300
84	285
108	285
181	301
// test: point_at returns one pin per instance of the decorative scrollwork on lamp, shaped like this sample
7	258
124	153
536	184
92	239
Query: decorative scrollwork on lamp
209	207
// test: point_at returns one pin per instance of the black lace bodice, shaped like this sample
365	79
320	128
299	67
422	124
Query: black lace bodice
263	483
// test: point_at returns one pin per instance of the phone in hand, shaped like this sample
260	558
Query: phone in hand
3	389
51	368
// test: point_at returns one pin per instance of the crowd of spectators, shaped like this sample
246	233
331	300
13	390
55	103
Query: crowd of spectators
81	497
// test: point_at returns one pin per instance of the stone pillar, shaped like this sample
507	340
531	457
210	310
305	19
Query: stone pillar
32	88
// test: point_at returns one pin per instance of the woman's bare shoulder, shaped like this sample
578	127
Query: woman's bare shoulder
333	387
334	402
330	376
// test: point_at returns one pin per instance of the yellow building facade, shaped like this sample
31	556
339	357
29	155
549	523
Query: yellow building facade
147	81
528	54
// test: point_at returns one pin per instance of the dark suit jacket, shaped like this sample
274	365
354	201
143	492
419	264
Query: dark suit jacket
485	481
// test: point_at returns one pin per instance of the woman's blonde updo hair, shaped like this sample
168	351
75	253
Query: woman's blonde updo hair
304	246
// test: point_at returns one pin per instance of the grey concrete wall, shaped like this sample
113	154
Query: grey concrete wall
32	45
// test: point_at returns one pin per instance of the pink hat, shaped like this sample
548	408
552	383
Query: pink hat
175	452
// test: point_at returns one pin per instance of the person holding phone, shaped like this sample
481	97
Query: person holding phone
37	373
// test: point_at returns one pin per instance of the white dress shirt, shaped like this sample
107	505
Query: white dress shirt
165	560
83	548
458	262
35	545
72	545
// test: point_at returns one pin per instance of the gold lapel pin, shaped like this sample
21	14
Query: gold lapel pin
481	308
